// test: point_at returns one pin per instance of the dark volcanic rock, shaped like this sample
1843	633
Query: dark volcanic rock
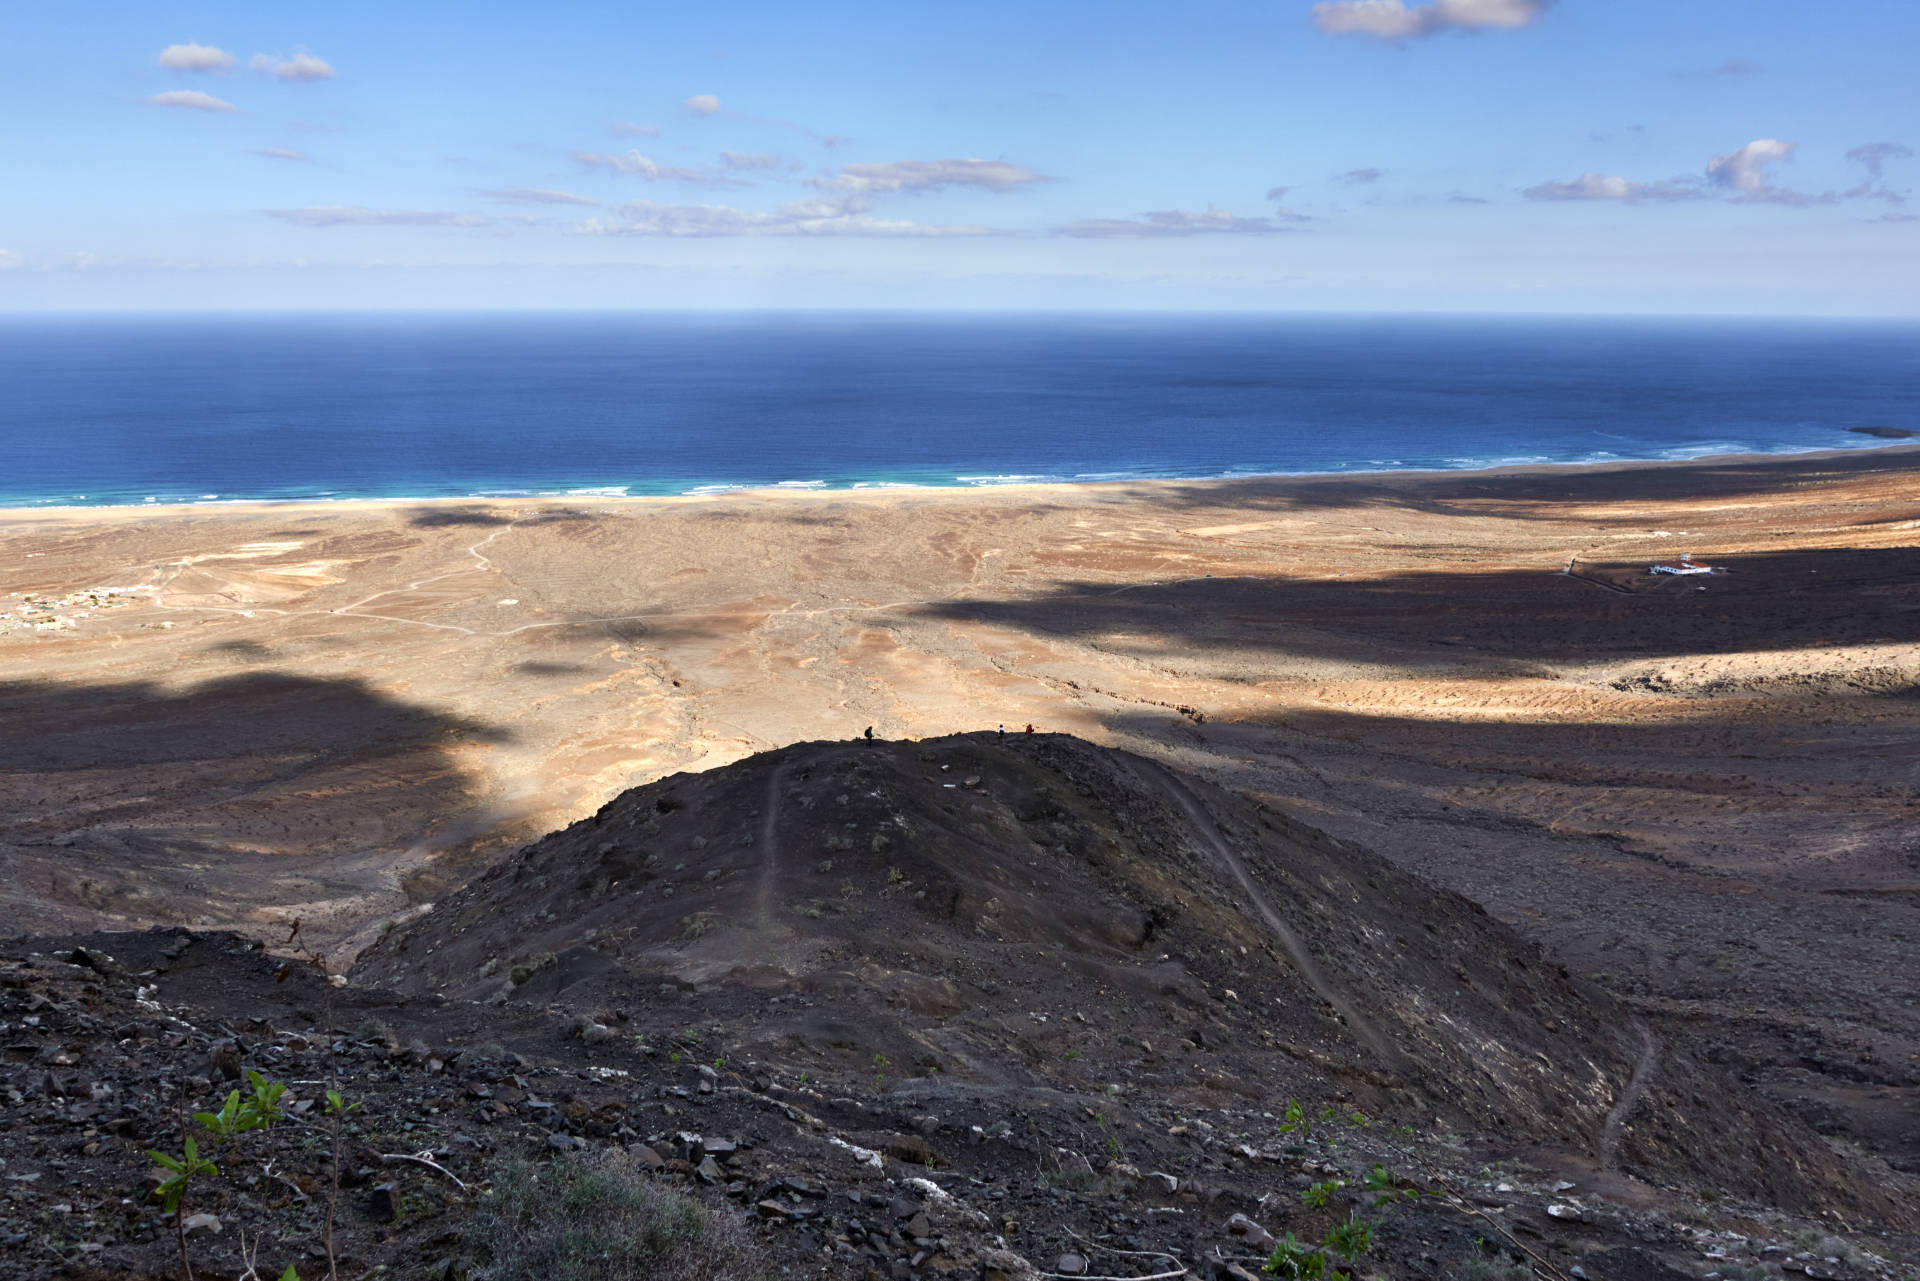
1083	919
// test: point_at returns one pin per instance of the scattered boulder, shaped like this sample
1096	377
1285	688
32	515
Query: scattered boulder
382	1204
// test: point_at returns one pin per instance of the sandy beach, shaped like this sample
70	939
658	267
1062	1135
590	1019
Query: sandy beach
337	711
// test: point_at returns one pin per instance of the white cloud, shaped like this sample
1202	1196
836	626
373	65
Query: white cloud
1593	186
627	129
536	196
192	99
748	160
1393	20
1742	175
301	66
361	216
704	104
1278	193
1745	168
817	216
9	260
195	57
1175	222
632	162
929	175
1361	177
282	153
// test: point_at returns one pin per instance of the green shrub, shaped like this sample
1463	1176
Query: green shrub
1480	1268
601	1218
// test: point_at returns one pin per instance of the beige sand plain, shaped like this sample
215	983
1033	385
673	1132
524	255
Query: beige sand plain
1700	788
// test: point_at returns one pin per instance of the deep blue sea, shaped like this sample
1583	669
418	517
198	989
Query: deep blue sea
176	408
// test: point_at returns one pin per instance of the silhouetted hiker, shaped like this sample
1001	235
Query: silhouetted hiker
869	733
1029	727
1002	731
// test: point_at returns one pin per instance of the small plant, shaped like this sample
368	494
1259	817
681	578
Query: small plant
1299	1261
172	1191
720	1064
258	1109
879	1071
1352	1238
1481	1268
602	1219
336	1110
1388	1187
1317	1194
239	1115
1295	1120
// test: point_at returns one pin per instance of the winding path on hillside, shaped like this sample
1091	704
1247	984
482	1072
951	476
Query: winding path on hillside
1209	830
1630	1097
769	847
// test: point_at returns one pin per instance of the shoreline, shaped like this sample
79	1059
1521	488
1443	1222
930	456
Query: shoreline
1389	476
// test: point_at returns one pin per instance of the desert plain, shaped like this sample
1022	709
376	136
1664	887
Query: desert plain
1698	790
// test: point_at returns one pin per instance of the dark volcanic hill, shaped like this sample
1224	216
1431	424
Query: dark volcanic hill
1036	916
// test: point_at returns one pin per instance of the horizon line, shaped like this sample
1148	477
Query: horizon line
15	314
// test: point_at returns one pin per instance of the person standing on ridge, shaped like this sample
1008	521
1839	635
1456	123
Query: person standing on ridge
869	733
1029	727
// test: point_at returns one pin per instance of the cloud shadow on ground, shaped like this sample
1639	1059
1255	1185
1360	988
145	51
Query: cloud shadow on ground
140	802
1501	623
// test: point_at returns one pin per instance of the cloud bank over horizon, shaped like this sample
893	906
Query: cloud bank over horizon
819	216
1394	20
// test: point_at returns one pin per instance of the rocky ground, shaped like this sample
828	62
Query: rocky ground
1138	974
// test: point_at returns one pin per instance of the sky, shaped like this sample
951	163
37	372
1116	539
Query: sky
1563	156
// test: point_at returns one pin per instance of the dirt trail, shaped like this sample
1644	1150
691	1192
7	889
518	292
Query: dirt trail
1203	823
769	848
1630	1099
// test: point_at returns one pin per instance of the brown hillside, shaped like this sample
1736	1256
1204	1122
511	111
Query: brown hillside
1019	914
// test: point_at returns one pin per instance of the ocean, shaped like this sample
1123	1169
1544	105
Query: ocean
188	408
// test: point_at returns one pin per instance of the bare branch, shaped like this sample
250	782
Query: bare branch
423	1158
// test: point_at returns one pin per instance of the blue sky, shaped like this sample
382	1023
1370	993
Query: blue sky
1712	156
